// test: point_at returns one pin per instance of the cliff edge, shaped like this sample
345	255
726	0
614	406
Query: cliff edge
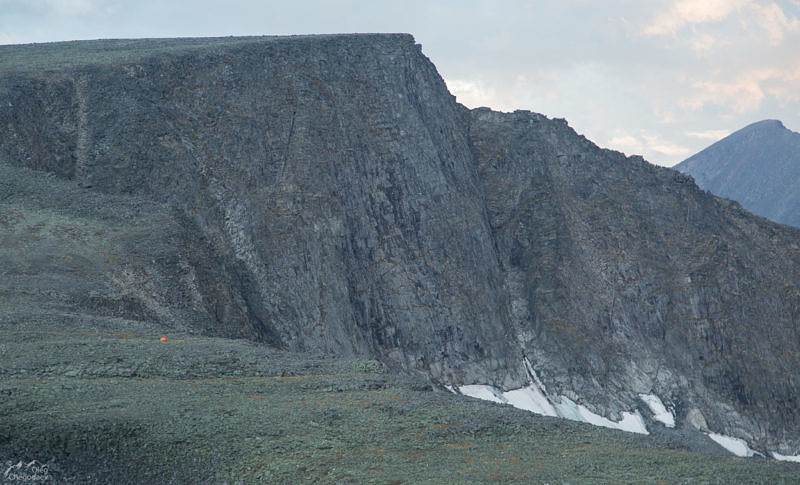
326	194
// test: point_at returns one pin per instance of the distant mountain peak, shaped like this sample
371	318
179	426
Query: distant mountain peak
764	126
758	166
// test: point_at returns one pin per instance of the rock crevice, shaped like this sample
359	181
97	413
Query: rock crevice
331	196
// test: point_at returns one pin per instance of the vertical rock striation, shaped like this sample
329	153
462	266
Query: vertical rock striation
329	195
332	173
630	280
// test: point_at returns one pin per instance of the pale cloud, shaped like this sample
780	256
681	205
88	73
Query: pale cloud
652	147
6	39
747	91
774	21
709	134
503	96
64	7
766	15
655	143
703	43
785	87
625	141
666	117
743	94
684	12
475	94
663	112
72	7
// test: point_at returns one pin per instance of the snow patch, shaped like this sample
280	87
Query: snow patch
482	391
778	456
660	412
567	409
630	422
531	399
736	446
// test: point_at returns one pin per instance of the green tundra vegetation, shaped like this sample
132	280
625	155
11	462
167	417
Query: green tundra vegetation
101	399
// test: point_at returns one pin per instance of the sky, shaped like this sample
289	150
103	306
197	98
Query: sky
658	78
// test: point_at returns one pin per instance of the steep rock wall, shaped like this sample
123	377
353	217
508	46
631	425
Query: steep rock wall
331	196
630	280
333	172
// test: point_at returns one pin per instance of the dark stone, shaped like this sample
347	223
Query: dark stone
326	194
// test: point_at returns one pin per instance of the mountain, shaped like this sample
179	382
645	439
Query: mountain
326	195
757	166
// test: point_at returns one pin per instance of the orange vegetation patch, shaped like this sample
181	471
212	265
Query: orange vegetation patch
416	454
459	447
379	451
446	425
37	382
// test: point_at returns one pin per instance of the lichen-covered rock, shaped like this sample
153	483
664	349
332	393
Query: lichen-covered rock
625	278
332	174
327	194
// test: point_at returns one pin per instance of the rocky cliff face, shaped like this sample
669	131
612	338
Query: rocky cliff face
327	194
625	279
332	175
758	166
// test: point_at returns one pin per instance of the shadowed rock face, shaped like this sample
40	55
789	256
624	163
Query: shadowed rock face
333	174
625	278
327	194
757	166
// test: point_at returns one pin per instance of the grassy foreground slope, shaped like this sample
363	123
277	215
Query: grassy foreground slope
104	401
92	392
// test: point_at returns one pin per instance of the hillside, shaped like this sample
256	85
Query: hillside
90	390
757	166
326	196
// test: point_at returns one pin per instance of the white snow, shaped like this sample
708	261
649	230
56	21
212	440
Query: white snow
778	456
531	399
633	423
569	410
534	398
660	412
630	422
482	391
736	446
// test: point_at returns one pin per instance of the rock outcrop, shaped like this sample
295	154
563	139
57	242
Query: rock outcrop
333	175
625	279
327	194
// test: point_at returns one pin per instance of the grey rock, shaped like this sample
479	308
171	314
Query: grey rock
633	280
326	194
329	181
